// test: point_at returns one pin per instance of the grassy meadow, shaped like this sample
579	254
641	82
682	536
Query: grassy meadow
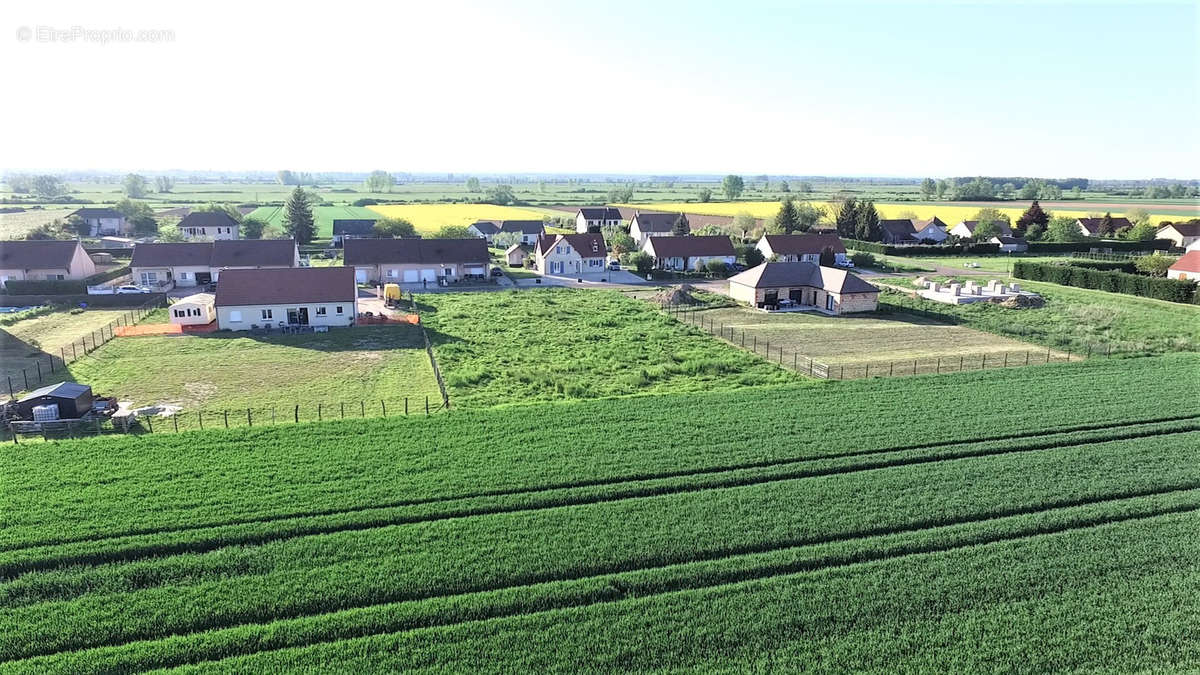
322	215
852	525
547	344
232	371
38	340
429	218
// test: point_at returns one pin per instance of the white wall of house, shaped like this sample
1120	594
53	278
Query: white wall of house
415	273
104	226
1183	274
961	231
319	314
765	249
181	276
679	264
640	237
582	225
1181	240
837	303
564	260
210	233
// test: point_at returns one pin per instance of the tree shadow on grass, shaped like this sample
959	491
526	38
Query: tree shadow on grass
347	339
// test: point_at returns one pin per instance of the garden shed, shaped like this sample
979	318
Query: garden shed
73	400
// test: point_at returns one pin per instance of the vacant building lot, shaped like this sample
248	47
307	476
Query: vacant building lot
545	344
224	371
39	341
876	338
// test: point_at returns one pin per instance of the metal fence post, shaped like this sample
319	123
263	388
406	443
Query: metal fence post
296	413
405	406
226	419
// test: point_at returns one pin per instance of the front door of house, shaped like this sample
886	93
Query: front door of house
829	302
298	316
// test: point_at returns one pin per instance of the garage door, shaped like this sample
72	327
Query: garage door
360	276
475	270
429	275
411	277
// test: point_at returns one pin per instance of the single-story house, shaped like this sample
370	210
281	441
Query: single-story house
529	230
800	247
194	310
185	264
414	261
932	230
1183	234
352	228
211	225
44	261
1090	227
571	254
1187	267
590	217
803	284
484	228
897	231
966	229
116	242
1010	244
516	254
689	253
645	225
74	400
300	296
104	221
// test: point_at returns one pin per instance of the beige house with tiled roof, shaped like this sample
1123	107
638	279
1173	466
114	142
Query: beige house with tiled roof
802	285
27	260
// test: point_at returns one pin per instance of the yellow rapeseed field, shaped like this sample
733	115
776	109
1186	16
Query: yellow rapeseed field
950	215
429	218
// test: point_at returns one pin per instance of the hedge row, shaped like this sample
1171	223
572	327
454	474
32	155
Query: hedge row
64	287
1043	247
1126	266
1174	290
921	250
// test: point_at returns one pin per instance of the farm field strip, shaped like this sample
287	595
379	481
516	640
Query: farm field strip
378	618
132	545
429	218
1027	594
120	485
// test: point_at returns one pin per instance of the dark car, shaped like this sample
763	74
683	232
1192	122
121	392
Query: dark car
497	272
737	267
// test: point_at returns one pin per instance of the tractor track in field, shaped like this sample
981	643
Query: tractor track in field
686	582
130	553
597	482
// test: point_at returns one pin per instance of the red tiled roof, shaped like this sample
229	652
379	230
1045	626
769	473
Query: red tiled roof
1190	262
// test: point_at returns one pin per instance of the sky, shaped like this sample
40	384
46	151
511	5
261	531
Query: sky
1087	89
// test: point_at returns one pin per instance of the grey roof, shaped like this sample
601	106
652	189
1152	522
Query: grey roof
691	247
273	286
802	244
485	227
415	251
36	254
600	213
781	274
897	226
353	226
208	219
222	253
1003	239
70	390
1093	224
523	226
589	245
97	212
657	222
172	254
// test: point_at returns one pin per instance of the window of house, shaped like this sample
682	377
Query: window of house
235	316
178	313
266	314
392	273
320	311
339	309
558	249
183	275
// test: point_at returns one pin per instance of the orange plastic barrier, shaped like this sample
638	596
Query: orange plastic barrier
148	329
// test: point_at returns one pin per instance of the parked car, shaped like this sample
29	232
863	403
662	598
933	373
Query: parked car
848	264
497	272
122	290
737	267
614	265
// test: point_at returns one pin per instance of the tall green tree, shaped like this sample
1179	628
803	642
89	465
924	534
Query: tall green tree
164	183
941	187
252	228
135	186
1063	228
733	186
845	219
787	220
380	181
681	228
298	220
828	257
704	195
396	228
928	187
866	224
1033	214
473	185
1106	225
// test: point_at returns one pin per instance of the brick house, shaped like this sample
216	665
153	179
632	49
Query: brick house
803	285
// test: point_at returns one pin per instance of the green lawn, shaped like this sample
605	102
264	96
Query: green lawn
1078	318
541	344
999	264
323	215
233	371
40	340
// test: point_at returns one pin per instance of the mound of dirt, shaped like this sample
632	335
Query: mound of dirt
676	295
1023	302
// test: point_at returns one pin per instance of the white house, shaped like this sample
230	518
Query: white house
194	310
516	254
484	229
208	225
104	221
965	229
32	260
930	231
168	265
691	253
590	217
529	230
301	296
571	254
800	247
1187	267
645	225
1010	244
1185	235
416	261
